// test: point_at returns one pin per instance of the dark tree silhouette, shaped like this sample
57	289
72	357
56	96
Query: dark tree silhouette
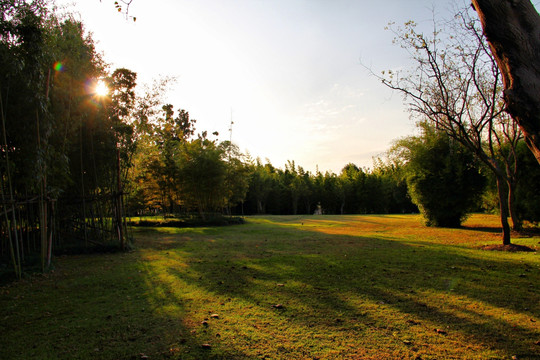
512	30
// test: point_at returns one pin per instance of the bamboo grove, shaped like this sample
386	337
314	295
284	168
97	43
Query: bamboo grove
64	149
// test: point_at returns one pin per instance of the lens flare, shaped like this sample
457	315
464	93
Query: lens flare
58	66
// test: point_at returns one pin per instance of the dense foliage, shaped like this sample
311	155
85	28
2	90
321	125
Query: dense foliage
527	197
50	119
443	177
209	177
527	194
354	191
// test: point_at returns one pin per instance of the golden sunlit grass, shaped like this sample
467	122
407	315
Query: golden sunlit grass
348	287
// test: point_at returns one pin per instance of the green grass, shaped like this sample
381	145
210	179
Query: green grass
351	287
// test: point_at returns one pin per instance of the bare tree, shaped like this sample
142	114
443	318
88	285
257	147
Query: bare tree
456	85
122	6
512	29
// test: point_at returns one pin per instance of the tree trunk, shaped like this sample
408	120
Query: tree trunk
503	206
517	224
119	205
512	28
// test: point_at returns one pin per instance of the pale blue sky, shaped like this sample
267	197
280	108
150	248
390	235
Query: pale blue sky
290	70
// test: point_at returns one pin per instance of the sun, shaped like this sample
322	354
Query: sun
101	88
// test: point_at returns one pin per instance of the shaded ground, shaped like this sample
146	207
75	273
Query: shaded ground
350	287
509	247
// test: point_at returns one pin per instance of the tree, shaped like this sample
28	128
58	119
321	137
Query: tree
511	29
390	173
23	106
203	173
154	182
122	6
260	185
121	109
168	135
528	204
456	86
142	187
527	199
294	182
330	194
347	183
58	141
442	176
306	190
238	175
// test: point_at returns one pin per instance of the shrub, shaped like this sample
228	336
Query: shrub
443	177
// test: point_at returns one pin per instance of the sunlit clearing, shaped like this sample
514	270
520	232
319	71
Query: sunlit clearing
101	88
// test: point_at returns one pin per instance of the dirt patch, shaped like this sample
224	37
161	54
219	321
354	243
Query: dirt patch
510	248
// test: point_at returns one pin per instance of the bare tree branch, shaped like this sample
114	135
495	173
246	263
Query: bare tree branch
456	86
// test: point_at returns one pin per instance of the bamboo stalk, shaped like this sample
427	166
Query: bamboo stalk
15	255
49	243
42	205
8	225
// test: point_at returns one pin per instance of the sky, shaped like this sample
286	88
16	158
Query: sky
291	74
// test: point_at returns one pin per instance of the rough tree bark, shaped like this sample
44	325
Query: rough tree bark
512	28
503	208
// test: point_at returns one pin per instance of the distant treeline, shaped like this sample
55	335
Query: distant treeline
184	175
353	191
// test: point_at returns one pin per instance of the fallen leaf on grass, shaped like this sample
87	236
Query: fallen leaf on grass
413	322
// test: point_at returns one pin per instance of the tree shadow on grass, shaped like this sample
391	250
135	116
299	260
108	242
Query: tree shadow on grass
485	229
124	306
95	307
360	284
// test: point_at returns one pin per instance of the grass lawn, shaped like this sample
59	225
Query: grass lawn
285	287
